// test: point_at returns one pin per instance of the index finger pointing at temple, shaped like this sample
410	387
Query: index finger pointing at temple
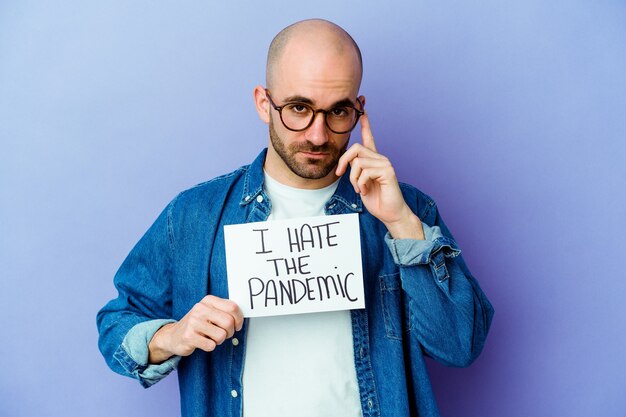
366	133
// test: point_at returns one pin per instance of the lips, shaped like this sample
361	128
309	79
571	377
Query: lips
314	154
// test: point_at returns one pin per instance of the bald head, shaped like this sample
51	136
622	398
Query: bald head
312	36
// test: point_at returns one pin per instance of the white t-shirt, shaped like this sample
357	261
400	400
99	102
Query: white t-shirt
300	365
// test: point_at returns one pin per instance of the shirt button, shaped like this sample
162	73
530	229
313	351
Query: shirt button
353	205
259	199
234	393
235	341
362	352
370	404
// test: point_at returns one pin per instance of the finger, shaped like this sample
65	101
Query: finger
199	321
221	303
212	323
193	337
361	163
366	133
355	171
222	320
217	334
202	329
227	306
355	151
203	343
236	314
368	176
343	162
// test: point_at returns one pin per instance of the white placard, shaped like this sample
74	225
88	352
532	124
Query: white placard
304	265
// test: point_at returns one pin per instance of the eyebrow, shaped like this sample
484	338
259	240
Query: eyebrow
305	100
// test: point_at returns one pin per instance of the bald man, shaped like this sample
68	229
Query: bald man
420	298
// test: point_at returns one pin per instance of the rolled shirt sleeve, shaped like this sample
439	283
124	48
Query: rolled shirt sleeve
407	252
133	353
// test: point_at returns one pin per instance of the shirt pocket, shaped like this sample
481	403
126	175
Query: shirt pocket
391	296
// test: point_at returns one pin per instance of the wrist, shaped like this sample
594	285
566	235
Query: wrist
157	348
409	226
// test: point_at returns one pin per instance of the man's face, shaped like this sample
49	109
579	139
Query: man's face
321	78
305	159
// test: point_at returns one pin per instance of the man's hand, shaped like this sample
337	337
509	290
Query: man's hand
373	177
208	324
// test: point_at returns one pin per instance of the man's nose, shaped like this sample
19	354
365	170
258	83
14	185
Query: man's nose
317	133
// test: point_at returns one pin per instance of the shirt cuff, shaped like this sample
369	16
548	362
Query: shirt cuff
407	252
136	346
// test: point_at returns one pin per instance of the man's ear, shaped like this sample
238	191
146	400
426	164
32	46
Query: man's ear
261	103
362	100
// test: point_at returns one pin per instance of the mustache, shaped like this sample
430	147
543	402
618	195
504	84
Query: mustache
326	147
309	147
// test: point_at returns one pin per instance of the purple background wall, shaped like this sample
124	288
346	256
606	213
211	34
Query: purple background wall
510	114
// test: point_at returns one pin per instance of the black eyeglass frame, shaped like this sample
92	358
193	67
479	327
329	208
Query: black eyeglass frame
279	109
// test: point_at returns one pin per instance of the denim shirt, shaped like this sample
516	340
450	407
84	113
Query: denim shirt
420	297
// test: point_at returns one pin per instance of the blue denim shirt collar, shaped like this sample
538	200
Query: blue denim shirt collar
344	200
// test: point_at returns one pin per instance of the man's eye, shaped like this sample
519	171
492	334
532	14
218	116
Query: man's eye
298	108
339	112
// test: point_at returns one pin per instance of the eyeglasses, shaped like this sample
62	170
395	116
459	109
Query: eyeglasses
297	116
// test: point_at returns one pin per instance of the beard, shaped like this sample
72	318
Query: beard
311	168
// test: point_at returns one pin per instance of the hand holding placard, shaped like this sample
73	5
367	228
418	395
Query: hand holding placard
208	324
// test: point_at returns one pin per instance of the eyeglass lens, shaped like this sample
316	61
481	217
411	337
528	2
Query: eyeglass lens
298	116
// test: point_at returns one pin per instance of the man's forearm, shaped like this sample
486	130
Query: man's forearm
408	227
